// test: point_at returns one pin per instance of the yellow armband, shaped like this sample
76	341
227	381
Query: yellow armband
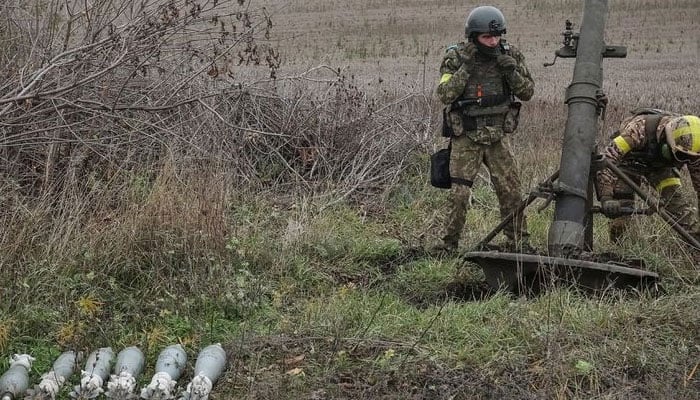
622	144
667	182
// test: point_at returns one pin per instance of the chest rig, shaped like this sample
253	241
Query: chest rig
656	154
480	111
489	91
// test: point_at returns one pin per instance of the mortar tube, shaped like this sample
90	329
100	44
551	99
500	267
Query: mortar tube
169	366
210	364
94	375
127	369
567	231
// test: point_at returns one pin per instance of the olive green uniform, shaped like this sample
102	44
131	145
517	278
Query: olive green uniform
479	130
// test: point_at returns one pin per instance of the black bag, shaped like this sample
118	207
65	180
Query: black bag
440	168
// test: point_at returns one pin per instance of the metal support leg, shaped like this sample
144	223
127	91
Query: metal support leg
665	215
528	200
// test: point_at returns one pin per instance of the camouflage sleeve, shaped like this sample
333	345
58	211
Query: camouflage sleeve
520	81
631	137
453	76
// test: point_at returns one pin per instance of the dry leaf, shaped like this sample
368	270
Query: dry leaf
213	71
294	360
295	372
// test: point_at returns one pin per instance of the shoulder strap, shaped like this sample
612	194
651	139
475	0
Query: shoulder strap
505	46
651	123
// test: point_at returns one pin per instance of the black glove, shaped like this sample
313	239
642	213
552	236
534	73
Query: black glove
506	63
610	208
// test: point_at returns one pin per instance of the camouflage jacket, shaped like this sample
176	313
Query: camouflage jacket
632	141
468	74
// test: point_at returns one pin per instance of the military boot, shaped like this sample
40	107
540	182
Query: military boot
444	248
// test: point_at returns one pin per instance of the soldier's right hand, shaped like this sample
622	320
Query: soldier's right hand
610	208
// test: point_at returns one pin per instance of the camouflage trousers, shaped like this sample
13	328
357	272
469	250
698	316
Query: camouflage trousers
667	182
465	162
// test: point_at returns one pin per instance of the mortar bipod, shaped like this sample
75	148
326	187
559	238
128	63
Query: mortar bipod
547	191
525	273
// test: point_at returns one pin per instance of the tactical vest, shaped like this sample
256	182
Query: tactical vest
486	83
487	98
652	156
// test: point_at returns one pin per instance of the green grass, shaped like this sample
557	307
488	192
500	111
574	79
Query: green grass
350	296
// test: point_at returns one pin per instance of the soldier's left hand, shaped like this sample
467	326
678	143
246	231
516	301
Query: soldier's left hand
610	208
506	63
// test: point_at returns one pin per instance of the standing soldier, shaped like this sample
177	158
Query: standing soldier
480	79
652	144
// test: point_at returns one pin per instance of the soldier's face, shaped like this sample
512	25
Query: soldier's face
488	39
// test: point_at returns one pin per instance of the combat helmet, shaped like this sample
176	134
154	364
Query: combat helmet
485	19
683	138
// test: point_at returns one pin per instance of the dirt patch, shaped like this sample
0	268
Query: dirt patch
285	367
457	291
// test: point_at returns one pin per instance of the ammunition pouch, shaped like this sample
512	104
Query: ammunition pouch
470	114
478	116
468	122
510	123
465	121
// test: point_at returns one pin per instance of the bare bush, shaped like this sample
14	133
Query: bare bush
96	89
326	137
128	127
109	84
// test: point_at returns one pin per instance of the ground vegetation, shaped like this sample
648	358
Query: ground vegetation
255	173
